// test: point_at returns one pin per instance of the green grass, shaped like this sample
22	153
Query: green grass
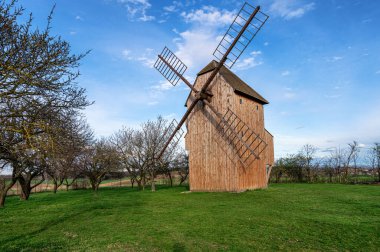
285	216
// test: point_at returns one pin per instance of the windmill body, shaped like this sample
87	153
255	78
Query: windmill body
229	148
213	164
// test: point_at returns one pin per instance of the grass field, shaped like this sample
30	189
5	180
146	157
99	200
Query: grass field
285	216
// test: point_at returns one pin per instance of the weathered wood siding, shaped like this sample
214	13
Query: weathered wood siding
212	166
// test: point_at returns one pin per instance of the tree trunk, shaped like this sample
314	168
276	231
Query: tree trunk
139	185
95	182
67	188
25	188
25	193
4	188
2	198
94	186
55	187
170	178
132	182
153	186
143	183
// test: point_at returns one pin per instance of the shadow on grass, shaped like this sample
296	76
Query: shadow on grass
93	202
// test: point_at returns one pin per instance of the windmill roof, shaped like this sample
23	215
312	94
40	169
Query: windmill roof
235	82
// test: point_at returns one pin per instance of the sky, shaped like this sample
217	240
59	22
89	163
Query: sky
316	62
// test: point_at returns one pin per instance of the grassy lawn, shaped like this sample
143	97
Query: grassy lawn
285	216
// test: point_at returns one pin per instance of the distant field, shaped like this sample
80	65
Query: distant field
285	216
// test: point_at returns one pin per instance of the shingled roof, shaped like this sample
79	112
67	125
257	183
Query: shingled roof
239	86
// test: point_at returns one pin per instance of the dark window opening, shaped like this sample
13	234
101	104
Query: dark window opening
241	101
257	107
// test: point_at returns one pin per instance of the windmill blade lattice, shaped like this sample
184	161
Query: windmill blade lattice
237	25
244	144
173	70
176	138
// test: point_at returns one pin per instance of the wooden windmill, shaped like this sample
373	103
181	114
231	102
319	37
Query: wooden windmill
229	148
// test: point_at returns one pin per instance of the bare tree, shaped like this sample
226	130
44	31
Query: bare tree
138	150
336	162
308	152
37	80
350	156
69	142
153	133
374	157
182	166
129	146
98	160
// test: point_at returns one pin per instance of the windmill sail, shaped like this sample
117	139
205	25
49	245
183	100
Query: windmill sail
170	66
244	144
237	26
174	140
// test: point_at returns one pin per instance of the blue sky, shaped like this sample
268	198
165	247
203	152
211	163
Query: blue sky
316	62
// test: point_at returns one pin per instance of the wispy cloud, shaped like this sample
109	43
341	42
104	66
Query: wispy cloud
285	73
289	93
163	85
250	62
196	44
170	8
332	96
290	9
209	16
79	18
365	21
377	72
126	54
137	9
334	59
147	58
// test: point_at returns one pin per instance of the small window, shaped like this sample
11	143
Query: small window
257	107
241	101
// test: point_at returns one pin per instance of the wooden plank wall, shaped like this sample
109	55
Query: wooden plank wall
211	165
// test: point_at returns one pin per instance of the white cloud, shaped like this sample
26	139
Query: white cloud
73	33
163	85
146	58
333	96
250	62
170	117
255	53
289	95
127	54
334	59
175	6
247	63
285	73
209	16
289	9
196	45
137	9
266	43
170	8
152	103
148	62
78	18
